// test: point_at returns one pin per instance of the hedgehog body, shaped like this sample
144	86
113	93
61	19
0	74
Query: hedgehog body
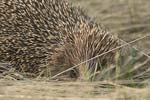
53	33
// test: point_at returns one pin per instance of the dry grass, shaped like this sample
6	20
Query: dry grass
50	90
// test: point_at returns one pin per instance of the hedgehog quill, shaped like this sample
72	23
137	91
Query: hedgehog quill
51	36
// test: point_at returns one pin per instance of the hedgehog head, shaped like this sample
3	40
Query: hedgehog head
90	41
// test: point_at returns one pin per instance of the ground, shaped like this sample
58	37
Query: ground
56	90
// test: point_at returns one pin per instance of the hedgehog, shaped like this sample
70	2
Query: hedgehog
50	36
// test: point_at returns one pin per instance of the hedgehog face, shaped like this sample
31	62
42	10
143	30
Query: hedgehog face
87	44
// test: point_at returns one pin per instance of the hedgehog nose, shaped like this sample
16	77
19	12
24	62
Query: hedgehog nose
84	73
